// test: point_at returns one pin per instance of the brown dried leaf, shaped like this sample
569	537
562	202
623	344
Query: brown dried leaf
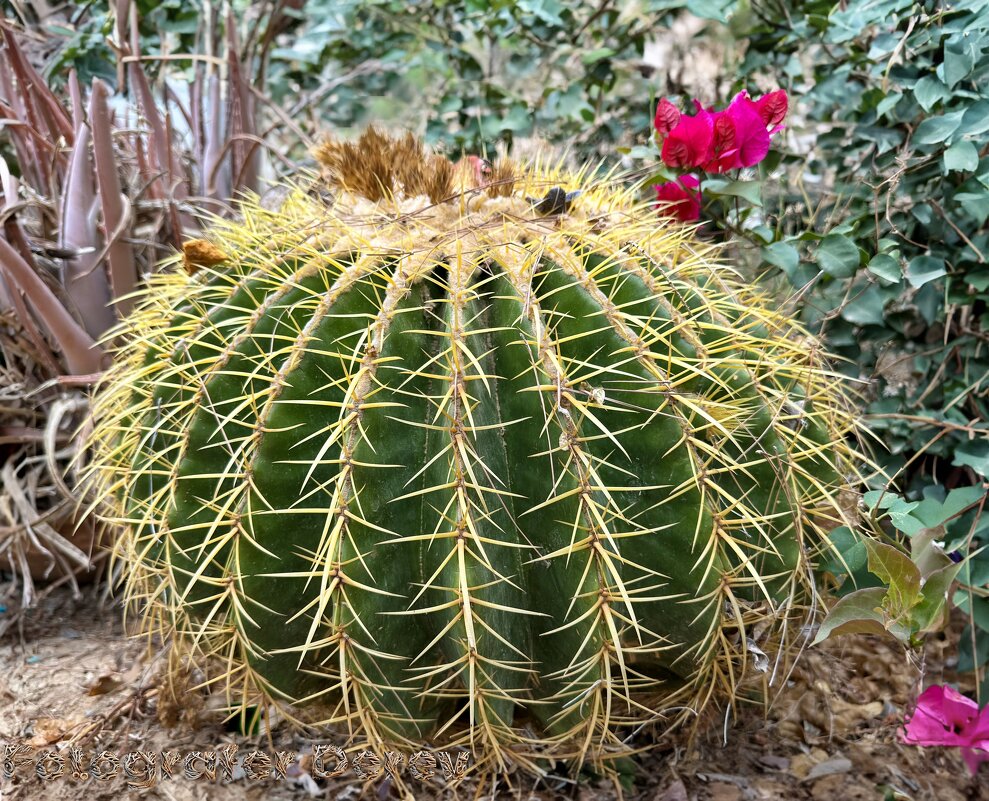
198	253
48	731
84	277
773	762
82	354
849	716
115	205
720	791
106	683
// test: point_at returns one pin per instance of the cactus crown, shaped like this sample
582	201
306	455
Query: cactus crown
429	462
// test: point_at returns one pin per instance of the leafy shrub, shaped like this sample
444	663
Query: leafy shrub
91	199
476	73
883	234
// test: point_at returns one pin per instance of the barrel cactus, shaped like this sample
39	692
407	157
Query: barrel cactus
488	456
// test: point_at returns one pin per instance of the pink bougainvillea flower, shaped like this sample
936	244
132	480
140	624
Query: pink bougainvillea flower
724	145
680	199
975	756
773	107
743	140
719	141
943	716
689	143
667	117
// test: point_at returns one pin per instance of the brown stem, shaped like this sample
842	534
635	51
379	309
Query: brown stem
82	354
123	272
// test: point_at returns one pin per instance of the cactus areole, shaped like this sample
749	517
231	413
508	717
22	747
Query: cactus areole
408	456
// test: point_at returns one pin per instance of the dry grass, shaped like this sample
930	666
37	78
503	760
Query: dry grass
94	191
40	534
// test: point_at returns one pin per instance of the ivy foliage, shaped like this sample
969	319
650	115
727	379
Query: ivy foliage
894	249
467	75
882	232
82	35
472	74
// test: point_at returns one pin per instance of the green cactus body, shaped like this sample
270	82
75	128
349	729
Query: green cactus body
457	470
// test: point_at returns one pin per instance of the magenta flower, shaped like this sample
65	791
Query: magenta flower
773	107
689	143
667	117
724	145
680	199
943	716
719	141
745	138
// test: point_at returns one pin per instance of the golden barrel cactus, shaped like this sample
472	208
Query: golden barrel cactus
461	455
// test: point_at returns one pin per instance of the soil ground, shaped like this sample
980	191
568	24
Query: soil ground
69	674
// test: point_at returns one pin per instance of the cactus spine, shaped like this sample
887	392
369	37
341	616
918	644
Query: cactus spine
427	463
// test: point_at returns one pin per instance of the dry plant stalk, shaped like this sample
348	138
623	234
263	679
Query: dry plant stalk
94	200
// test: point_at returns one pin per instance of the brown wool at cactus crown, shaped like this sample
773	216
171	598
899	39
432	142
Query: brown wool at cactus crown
457	454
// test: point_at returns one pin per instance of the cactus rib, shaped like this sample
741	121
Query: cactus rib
433	465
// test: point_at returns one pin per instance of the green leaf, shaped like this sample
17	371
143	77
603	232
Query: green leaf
594	56
960	499
883	139
902	517
967	660
934	130
747	190
783	255
975	569
975	455
848	552
894	568
516	120
978	610
765	234
959	59
924	269
709	9
886	267
879	499
928	613
838	256
962	156
905	515
976	119
927	551
928	91
978	279
975	204
866	308
887	103
859	612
